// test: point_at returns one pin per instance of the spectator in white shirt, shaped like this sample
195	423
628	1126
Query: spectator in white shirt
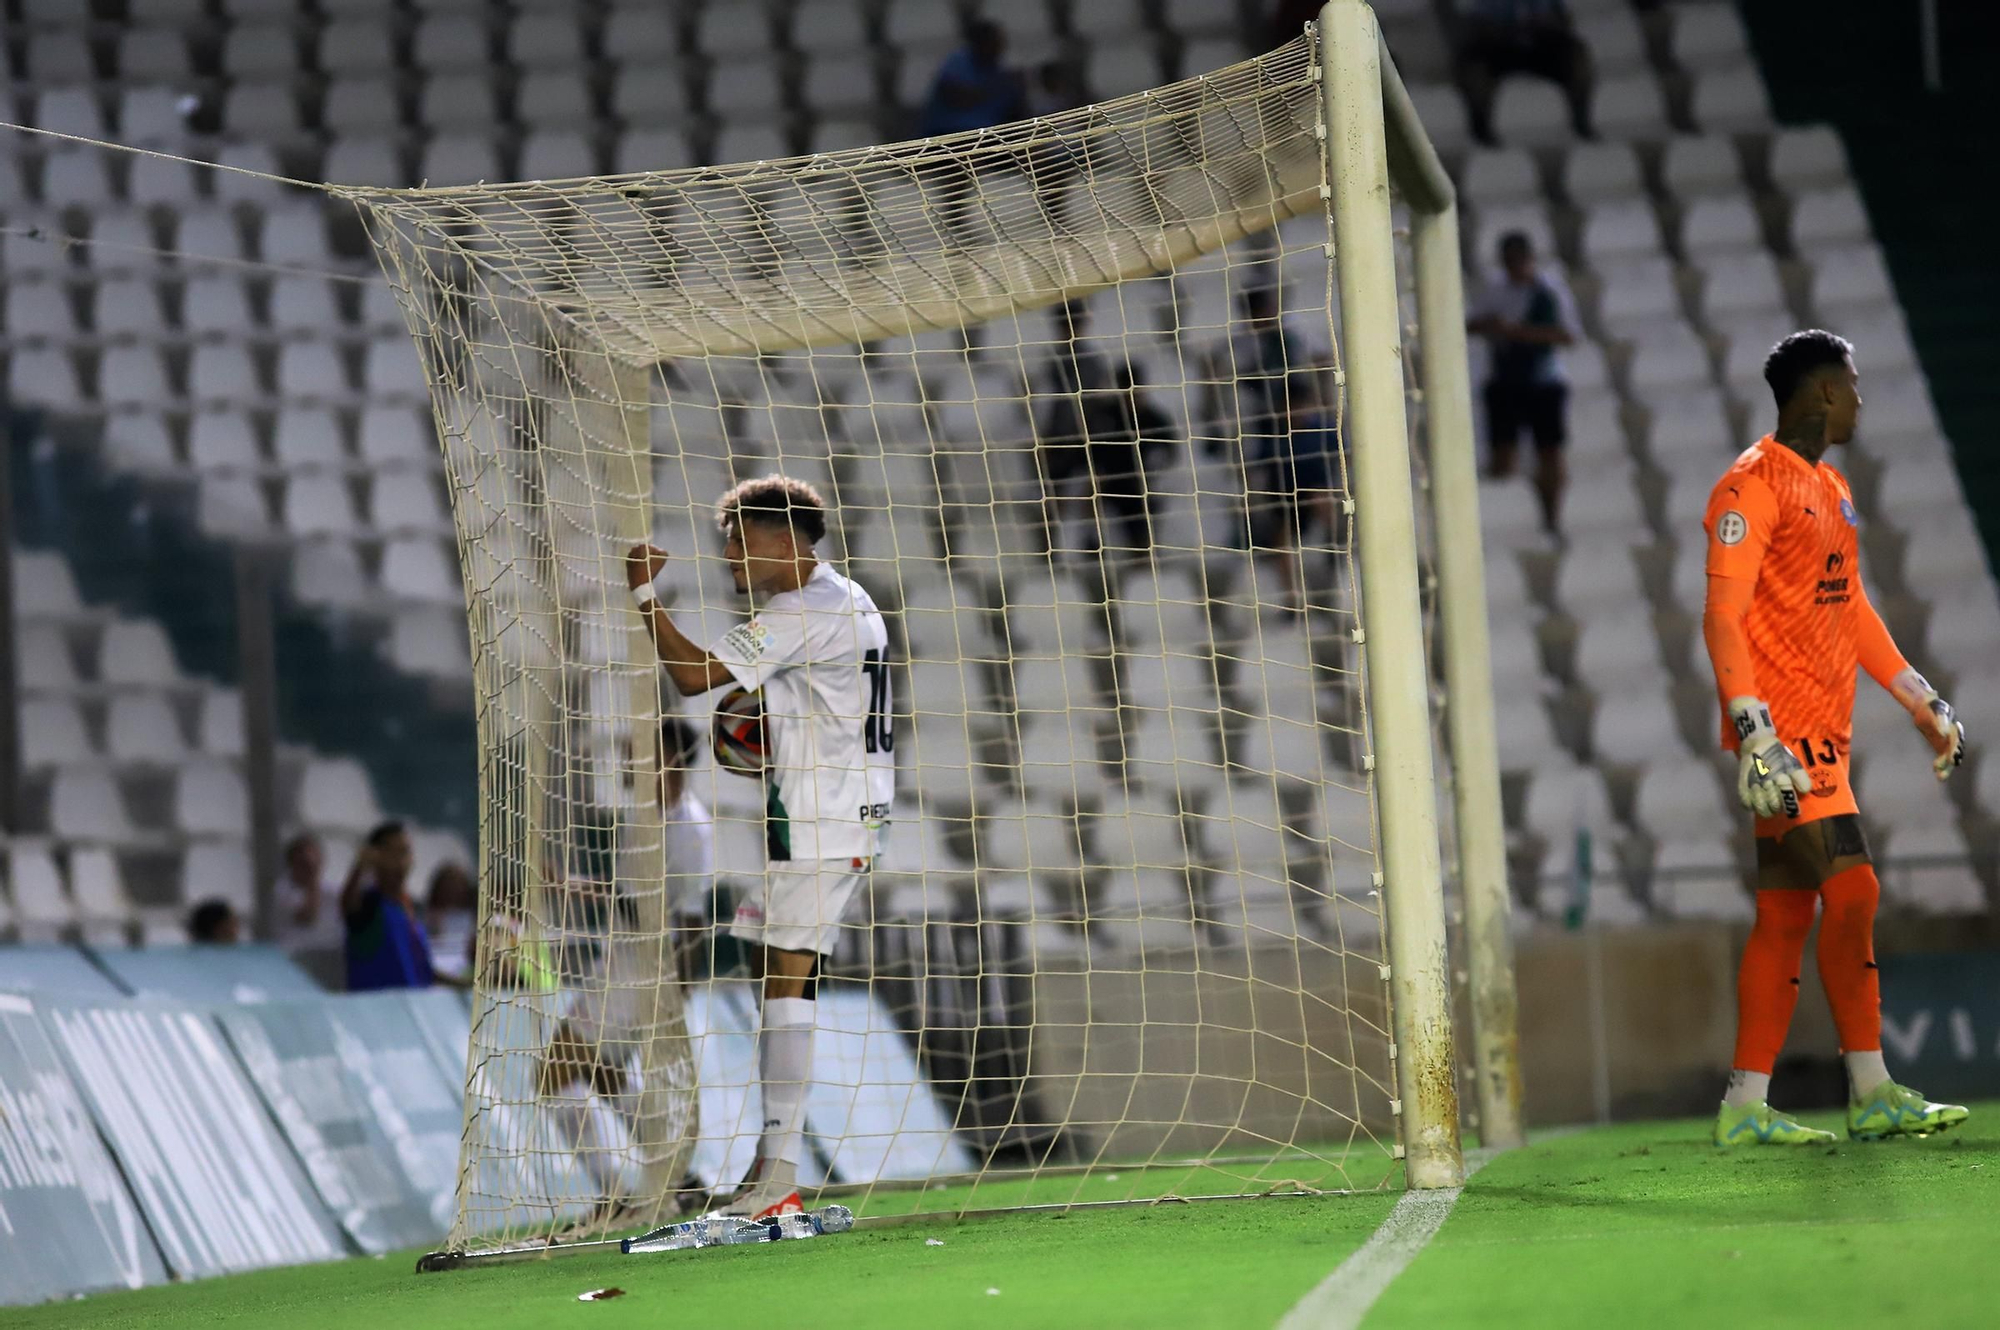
308	901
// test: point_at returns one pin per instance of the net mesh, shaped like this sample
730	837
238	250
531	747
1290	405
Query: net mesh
1071	392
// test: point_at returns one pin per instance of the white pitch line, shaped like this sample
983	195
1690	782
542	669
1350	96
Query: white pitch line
1339	1301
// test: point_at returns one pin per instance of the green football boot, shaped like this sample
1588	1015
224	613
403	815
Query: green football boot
1760	1124
1895	1110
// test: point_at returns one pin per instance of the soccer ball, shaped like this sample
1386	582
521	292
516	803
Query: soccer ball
738	730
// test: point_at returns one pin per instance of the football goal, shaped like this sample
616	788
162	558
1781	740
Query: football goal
1146	428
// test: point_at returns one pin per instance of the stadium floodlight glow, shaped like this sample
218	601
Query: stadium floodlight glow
1163	897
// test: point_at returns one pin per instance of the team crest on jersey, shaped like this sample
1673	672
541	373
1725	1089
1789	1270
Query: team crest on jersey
1730	528
1847	511
749	640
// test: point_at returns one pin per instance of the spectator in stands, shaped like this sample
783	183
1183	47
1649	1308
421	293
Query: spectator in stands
308	904
1504	37
974	87
215	922
451	911
1095	433
1301	470
1528	316
386	943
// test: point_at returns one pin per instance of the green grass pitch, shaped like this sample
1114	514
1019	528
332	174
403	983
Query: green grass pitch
1639	1226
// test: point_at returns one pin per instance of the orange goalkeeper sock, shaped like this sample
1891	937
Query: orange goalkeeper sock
1767	985
1847	962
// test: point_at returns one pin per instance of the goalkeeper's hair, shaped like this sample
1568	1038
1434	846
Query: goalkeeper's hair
777	501
1798	357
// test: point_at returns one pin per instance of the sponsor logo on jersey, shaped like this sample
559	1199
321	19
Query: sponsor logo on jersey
749	640
1847	511
1832	589
1730	528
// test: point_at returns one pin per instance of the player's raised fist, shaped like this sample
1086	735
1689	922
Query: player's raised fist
642	564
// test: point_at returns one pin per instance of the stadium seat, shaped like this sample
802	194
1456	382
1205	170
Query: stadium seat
1617	43
232	505
269	108
1636	289
127	307
1926	871
136	653
40	310
85	805
76	111
548	41
1680	801
557	156
1501	175
553	99
312	371
335	793
1808	157
457	103
432	643
308	439
77	177
1561	801
262	51
44	586
1739	283
1596	172
1668	356
1706	35
1731	100
1621	228
43	909
45	661
396	435
828	25
1531	112
1442	110
219	723
1617	649
1848	275
126	376
751	88
1698	877
1720	222
141	728
451	42
1598	577
60	57
218	869
216	303
53	733
1629	106
223	440
460	159
418	568
919	23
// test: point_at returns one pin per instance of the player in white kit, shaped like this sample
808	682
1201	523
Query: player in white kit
816	646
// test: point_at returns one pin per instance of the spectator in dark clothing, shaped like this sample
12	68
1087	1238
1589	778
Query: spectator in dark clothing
1505	37
1095	432
1527	316
215	922
974	88
387	946
1301	468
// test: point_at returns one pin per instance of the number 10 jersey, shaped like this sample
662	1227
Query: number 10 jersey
820	656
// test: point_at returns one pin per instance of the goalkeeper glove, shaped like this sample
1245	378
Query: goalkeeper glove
1935	720
1769	780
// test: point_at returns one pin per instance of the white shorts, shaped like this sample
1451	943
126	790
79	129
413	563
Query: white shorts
800	904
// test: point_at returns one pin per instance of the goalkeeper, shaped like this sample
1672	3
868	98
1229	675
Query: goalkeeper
1786	623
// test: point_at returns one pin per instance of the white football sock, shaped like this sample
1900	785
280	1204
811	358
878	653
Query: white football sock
1866	1071
1747	1087
784	1062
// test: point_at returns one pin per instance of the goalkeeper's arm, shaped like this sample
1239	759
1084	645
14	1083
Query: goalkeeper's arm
1769	779
1933	716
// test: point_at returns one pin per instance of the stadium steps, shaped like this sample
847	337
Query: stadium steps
134	545
1915	155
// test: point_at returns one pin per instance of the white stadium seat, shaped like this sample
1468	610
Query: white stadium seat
53	733
1720	222
1593	172
1531	112
1730	100
1834	215
1808	157
1629	106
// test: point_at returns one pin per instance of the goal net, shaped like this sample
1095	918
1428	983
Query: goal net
1071	392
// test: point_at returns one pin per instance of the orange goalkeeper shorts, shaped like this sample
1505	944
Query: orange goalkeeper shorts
1827	762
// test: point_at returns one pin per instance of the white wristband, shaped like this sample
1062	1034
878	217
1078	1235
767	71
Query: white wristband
644	594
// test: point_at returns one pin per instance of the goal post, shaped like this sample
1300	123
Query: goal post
1436	255
1111	413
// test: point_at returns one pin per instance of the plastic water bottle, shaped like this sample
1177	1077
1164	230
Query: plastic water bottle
717	1231
708	1231
812	1224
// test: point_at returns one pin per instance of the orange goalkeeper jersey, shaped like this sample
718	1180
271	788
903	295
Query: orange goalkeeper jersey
1791	527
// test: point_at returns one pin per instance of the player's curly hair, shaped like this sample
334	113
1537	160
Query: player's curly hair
1797	357
775	499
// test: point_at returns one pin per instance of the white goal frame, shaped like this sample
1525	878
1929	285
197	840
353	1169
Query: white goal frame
1376	143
